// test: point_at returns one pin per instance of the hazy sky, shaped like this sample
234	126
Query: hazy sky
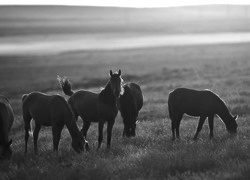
124	3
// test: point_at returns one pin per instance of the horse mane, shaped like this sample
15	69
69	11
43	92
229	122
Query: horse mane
122	87
222	104
24	96
127	91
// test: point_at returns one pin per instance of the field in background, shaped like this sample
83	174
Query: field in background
224	68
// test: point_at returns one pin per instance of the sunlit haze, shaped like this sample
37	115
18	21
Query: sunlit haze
125	3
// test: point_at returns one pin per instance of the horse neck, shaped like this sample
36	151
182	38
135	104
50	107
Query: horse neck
72	126
107	96
223	113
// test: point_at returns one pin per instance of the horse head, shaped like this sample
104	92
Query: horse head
232	126
6	150
78	143
116	83
129	129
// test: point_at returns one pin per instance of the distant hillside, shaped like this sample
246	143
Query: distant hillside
20	20
209	11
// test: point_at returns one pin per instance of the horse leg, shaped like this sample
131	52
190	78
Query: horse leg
56	131
177	125
35	136
109	131
211	125
201	122
173	129
100	129
27	118
85	128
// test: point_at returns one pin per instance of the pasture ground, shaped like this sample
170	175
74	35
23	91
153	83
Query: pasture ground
151	154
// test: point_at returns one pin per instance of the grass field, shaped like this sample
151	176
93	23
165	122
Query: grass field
225	69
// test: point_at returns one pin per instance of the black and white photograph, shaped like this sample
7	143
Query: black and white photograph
124	90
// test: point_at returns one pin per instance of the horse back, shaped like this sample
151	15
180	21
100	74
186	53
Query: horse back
85	103
60	109
43	108
36	102
193	102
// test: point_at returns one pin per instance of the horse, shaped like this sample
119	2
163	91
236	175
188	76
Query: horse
199	103
129	104
6	122
50	110
96	107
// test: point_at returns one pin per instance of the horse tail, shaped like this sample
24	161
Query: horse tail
65	85
23	97
30	130
27	118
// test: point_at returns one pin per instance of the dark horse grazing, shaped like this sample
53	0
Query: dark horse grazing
6	121
50	111
130	103
198	103
96	107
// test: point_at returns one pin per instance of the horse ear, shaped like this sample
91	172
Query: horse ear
110	73
235	117
119	72
10	142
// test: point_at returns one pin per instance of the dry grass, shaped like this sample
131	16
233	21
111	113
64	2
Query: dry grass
151	154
